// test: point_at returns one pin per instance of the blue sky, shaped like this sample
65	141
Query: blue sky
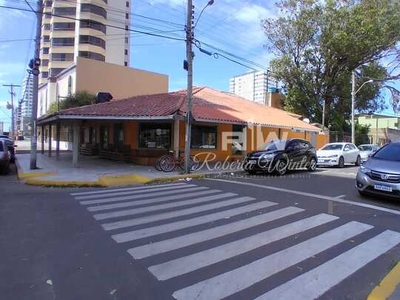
231	25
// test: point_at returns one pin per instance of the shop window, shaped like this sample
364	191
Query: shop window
155	136
204	137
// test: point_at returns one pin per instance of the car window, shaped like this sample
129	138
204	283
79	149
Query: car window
389	152
1	146
332	147
274	145
352	147
365	148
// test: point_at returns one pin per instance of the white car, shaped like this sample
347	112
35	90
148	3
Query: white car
338	154
366	150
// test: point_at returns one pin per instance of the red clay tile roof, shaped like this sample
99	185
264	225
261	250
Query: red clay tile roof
208	105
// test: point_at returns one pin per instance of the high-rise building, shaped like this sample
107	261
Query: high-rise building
253	86
25	105
95	29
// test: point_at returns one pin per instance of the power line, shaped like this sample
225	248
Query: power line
15	40
108	25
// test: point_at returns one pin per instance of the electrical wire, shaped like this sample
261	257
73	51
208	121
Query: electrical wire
107	25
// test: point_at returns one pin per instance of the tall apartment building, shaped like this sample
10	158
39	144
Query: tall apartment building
253	86
25	108
95	29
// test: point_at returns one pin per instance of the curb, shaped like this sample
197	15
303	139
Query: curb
387	286
22	175
61	183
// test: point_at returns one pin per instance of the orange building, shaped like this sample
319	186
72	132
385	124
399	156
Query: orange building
142	128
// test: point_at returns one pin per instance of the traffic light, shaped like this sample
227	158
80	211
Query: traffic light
34	65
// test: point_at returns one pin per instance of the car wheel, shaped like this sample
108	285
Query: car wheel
358	161
312	164
251	172
341	162
363	194
281	167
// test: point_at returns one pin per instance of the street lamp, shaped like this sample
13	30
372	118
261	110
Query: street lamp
188	65
353	100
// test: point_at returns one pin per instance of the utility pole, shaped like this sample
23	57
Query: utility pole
189	95
35	88
12	93
353	100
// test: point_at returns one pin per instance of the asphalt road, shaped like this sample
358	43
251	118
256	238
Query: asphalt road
301	236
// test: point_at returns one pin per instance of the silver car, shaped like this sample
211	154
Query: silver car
366	150
380	174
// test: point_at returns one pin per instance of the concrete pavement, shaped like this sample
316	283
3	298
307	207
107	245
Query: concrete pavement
96	171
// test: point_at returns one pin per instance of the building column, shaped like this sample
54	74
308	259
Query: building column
75	145
50	134
42	141
58	133
176	138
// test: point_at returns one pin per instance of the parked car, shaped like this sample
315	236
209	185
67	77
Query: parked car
380	174
10	145
5	157
280	156
338	154
366	150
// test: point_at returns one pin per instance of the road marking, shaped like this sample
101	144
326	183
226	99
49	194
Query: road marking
121	193
316	282
137	197
365	205
340	196
171	215
231	282
127	189
164	205
135	211
197	237
183	265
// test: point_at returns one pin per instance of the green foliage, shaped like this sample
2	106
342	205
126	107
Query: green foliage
75	100
317	44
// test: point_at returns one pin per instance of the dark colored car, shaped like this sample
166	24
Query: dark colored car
10	145
280	156
4	157
380	174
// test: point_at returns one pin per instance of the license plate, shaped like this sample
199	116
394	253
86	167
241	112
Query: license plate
323	160
384	188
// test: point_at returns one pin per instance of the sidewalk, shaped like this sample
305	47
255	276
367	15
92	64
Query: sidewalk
95	171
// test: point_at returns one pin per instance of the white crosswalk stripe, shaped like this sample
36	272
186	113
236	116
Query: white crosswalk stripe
130	192
163	206
213	215
137	197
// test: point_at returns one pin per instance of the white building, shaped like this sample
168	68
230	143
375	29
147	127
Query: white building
26	105
95	29
253	86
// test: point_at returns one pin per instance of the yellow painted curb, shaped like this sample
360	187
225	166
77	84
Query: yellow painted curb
115	180
387	286
62	183
23	175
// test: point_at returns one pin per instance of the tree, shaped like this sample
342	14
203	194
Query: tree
75	100
317	44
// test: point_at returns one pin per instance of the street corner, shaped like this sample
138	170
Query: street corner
388	287
32	174
48	182
121	180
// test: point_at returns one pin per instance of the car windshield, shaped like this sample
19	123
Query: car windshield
273	145
365	148
333	147
389	152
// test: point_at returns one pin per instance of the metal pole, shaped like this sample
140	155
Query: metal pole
12	93
323	115
353	100
189	59
35	90
376	131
